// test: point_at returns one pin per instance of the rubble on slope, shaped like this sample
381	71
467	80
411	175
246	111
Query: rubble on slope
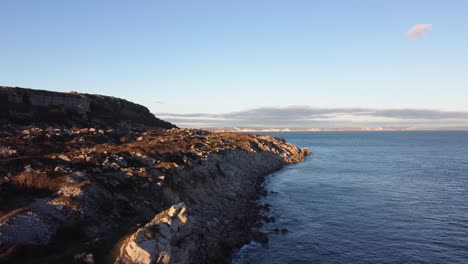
72	194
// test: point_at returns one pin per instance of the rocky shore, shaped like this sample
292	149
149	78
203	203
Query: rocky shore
103	194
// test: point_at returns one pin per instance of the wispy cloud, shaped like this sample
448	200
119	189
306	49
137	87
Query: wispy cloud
418	30
306	116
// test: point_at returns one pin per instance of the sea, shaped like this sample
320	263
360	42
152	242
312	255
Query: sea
369	197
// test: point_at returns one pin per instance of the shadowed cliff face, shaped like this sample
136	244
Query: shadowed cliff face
27	107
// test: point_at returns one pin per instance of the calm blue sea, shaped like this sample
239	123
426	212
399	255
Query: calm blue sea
370	197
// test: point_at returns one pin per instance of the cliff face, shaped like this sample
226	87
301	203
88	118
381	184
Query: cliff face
19	106
162	196
110	194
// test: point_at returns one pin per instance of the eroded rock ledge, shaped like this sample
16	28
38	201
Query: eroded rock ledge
109	196
97	179
40	108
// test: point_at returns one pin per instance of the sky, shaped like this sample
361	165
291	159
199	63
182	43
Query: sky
212	63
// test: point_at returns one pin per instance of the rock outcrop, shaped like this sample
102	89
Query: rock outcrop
20	106
108	195
154	242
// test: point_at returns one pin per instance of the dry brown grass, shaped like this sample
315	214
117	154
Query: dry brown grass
36	181
11	214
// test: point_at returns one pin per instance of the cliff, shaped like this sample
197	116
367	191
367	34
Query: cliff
28	107
90	195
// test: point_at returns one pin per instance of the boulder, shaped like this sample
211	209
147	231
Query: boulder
155	242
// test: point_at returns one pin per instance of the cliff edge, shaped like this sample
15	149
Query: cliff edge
28	107
105	195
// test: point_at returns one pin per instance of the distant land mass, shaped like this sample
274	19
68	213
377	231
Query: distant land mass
311	118
317	129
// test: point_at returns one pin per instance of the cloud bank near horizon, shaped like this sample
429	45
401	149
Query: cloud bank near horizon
418	31
307	116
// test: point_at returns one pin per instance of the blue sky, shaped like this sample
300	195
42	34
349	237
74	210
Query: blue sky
215	57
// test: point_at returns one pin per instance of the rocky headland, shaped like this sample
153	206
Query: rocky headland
121	186
40	108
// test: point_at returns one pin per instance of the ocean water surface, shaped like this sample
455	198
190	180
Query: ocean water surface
370	197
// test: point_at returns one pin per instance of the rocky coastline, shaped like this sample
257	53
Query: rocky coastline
106	193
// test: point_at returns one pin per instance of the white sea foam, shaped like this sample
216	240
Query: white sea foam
239	256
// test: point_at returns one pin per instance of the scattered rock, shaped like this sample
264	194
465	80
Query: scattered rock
64	157
99	187
28	169
84	258
260	237
156	241
266	207
6	152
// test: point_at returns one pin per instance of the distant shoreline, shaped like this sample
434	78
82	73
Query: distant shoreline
285	130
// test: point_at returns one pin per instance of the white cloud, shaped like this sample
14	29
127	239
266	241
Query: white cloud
418	30
306	116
